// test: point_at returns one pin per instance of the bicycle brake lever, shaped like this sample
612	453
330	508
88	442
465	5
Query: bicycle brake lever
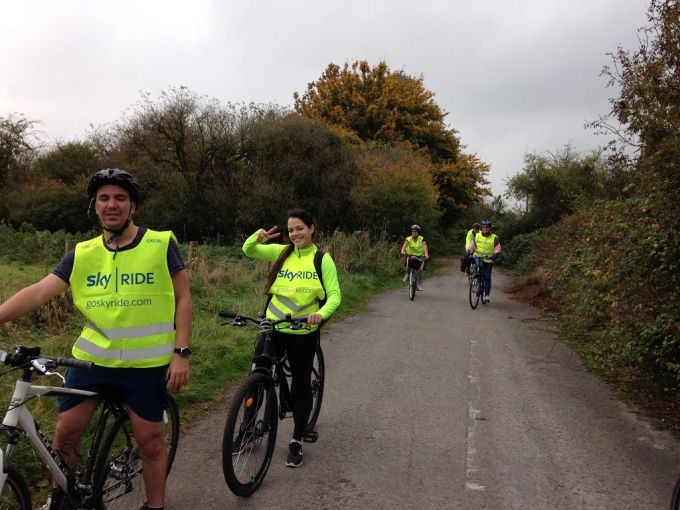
41	365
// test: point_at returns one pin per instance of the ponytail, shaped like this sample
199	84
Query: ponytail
274	271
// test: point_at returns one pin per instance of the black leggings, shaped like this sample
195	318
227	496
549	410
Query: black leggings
300	350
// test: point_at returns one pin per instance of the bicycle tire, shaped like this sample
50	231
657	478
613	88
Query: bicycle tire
474	292
412	284
118	483
251	420
15	494
318	379
675	500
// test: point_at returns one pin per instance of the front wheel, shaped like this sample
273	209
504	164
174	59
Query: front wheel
118	481
15	494
250	434
412	284
474	292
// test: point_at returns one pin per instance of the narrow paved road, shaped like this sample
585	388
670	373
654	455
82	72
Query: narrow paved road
432	405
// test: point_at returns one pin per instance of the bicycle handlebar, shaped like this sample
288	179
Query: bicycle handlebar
22	357
240	317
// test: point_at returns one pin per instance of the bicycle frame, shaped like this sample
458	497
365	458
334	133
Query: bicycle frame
19	419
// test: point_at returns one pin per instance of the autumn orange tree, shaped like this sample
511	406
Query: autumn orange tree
380	105
460	185
383	107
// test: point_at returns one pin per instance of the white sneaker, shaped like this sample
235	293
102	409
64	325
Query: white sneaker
405	278
420	288
486	298
46	506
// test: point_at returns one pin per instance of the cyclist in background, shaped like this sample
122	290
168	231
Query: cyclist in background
294	287
485	248
130	284
467	258
415	245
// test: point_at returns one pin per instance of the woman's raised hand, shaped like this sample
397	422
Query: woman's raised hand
266	235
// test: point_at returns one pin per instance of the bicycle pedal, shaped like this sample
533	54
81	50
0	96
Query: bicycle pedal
310	436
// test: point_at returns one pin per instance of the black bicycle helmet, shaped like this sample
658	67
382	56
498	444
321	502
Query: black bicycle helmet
487	223
476	225
114	176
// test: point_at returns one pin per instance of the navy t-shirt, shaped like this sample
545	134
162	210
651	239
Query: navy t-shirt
175	261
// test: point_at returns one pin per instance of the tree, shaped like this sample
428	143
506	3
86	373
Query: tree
381	106
66	162
395	190
460	185
294	161
19	143
188	141
554	184
648	106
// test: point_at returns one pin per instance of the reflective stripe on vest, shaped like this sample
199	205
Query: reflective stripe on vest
134	332
294	308
129	302
93	349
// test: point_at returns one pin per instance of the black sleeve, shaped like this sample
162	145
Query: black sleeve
65	266
175	261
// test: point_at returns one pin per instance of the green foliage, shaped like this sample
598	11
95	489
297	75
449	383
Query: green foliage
69	162
380	105
395	191
294	161
553	185
27	245
18	145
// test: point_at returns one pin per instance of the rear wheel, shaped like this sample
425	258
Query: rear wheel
318	377
118	470
15	494
250	435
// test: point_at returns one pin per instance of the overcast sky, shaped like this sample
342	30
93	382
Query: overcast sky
515	76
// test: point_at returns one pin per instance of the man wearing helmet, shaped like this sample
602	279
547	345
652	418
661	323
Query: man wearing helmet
131	285
485	247
415	245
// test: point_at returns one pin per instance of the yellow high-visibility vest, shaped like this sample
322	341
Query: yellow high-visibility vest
484	246
297	289
128	300
415	247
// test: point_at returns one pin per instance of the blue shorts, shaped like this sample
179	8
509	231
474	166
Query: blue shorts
142	389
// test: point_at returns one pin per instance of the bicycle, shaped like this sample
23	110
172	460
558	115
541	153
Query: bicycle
477	283
414	267
252	419
110	477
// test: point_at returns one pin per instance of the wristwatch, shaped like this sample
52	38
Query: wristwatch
185	352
